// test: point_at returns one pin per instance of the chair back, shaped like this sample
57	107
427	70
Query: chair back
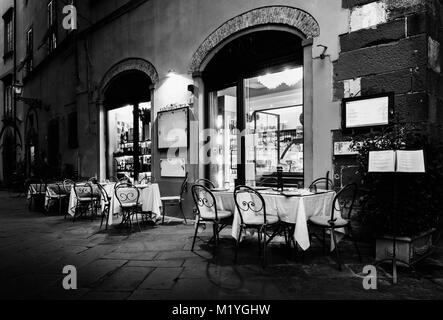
184	185
205	182
127	195
67	185
103	194
324	183
250	205
83	190
270	181
344	200
204	201
37	185
93	180
146	180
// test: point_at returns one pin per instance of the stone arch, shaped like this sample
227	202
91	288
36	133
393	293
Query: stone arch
128	65
274	15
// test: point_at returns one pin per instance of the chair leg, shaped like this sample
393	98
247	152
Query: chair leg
164	212
337	250
138	223
195	234
183	213
264	246
237	245
324	240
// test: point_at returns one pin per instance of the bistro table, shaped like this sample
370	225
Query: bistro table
294	207
52	192
149	199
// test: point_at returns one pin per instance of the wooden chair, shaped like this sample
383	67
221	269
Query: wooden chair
207	212
342	204
175	200
252	210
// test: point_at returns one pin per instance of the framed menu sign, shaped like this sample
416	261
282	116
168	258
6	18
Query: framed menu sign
367	111
173	128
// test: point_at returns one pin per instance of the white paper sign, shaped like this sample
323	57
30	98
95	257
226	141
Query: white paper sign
410	161
370	112
382	161
173	167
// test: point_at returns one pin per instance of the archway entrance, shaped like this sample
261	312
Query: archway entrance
254	104
127	103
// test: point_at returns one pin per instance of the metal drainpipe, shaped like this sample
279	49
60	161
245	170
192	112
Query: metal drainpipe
14	75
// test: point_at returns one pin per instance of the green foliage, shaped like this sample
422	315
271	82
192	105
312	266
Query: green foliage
419	196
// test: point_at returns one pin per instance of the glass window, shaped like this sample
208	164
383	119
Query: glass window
9	35
29	50
224	136
274	126
8	100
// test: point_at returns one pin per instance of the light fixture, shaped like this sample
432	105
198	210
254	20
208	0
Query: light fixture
18	88
289	77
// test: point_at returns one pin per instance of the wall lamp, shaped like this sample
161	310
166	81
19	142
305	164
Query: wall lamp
31	102
323	54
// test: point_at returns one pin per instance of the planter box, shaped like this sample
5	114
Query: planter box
408	249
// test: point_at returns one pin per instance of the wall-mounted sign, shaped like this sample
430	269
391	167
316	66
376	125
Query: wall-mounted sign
173	167
367	111
343	148
173	128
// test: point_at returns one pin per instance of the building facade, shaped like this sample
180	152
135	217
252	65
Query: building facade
219	59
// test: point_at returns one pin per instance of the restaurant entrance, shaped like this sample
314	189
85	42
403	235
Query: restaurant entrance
128	124
255	109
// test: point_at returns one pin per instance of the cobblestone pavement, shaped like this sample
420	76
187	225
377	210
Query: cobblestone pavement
157	264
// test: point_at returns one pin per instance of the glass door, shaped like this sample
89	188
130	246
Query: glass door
224	137
273	103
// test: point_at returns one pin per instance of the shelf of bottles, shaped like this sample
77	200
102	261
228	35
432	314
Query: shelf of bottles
124	159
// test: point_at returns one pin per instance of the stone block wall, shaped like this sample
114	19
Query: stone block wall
392	45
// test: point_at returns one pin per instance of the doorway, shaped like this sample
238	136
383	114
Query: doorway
128	126
254	104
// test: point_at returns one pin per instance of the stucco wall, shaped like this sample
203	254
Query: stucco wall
168	32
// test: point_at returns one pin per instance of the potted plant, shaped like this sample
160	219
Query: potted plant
419	196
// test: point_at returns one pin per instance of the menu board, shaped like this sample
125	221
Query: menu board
173	167
365	112
397	161
410	161
382	161
173	129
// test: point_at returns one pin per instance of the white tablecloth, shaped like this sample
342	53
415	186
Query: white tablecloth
73	199
149	199
296	210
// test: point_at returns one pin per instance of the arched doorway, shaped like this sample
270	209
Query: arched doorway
254	94
256	71
127	100
125	97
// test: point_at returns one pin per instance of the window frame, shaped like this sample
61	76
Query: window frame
8	40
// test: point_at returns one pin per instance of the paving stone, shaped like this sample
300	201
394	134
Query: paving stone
106	295
156	263
125	279
161	278
96	270
131	255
